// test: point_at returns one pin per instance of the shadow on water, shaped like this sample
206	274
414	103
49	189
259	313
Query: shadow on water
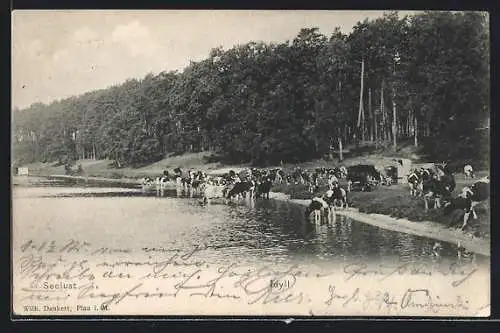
275	228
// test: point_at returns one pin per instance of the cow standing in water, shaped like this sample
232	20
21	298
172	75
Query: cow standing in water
210	191
263	188
178	176
337	195
241	188
316	206
187	181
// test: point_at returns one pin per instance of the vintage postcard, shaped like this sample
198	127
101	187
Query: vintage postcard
250	163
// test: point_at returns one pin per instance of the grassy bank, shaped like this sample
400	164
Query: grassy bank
395	201
103	168
204	161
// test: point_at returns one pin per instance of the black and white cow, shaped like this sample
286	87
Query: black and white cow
147	183
438	188
313	184
415	183
241	188
337	195
426	174
263	188
163	181
279	176
468	171
147	180
332	181
186	181
343	172
196	184
296	176
316	206
468	199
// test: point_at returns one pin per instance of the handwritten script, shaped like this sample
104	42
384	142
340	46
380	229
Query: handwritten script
77	277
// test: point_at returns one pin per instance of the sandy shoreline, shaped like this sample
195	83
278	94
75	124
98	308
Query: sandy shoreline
427	229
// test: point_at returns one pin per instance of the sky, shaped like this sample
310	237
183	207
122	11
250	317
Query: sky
57	54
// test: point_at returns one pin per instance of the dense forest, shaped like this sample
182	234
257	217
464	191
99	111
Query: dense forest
422	78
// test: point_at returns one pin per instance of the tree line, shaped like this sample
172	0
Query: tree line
422	78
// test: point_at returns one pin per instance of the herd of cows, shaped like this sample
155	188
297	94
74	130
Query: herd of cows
438	184
434	183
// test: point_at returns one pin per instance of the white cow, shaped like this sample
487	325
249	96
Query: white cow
343	171
210	191
468	171
332	180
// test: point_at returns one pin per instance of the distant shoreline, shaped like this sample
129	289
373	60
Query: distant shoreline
427	229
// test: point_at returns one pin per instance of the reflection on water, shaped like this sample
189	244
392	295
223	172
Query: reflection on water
247	230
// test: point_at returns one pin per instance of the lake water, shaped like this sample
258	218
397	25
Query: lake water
166	253
247	231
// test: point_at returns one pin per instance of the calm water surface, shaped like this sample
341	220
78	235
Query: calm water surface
263	230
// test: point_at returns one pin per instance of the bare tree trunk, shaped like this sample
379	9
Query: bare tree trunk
384	115
404	127
415	130
316	121
375	125
345	133
408	124
341	155
370	112
363	126
360	112
386	128
388	132
394	120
